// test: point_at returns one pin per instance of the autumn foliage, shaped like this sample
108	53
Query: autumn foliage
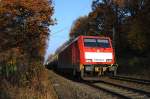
24	29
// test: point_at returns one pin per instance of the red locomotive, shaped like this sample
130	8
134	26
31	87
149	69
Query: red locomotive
87	56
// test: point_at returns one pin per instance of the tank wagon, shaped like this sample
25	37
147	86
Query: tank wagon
86	56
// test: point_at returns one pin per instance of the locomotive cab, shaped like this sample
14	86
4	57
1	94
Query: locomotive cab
98	56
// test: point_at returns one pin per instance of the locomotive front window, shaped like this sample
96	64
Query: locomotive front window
91	42
103	43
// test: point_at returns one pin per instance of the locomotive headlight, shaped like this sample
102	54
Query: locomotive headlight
88	60
108	60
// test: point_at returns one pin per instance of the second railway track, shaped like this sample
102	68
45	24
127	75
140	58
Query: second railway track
130	79
119	90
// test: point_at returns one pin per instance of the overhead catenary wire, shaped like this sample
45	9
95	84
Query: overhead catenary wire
57	32
54	34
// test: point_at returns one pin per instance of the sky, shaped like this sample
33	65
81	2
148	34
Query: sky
66	12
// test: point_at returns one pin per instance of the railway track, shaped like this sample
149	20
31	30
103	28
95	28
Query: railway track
119	90
130	79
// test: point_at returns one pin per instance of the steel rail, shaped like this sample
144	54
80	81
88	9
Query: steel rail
117	86
108	91
130	79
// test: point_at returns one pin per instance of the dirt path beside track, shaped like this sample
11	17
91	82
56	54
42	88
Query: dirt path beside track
68	89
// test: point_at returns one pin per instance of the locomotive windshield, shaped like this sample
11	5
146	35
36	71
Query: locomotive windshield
92	42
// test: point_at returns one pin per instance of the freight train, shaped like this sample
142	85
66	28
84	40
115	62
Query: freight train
85	56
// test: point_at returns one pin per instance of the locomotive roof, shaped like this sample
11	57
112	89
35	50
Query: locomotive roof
69	42
65	45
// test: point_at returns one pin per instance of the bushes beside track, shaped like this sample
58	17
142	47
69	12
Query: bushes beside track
134	65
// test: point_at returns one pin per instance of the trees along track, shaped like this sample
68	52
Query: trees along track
130	79
119	90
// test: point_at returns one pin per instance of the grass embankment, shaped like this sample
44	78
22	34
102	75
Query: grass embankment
136	66
40	88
